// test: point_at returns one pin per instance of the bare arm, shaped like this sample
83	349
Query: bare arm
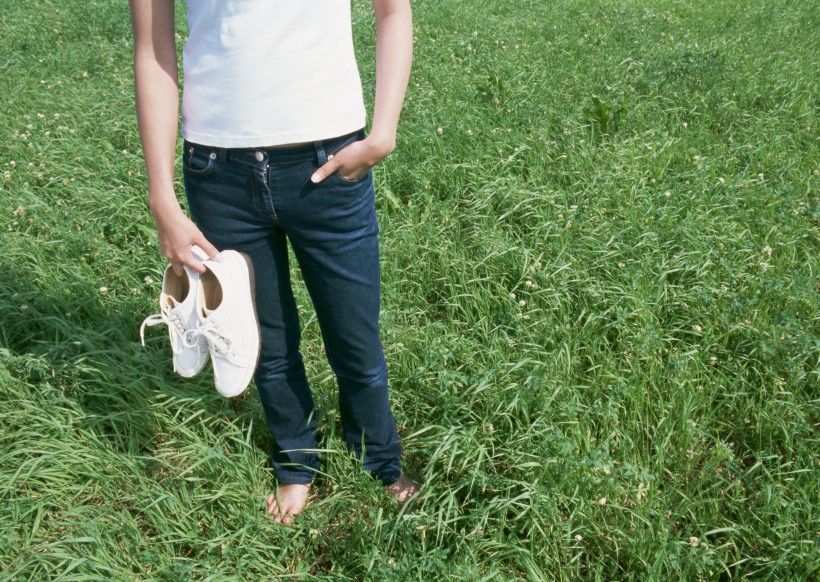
157	95
394	55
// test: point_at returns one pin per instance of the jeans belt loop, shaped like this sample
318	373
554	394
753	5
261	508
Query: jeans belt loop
222	154
321	156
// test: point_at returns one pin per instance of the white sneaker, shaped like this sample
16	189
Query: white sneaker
177	303
227	321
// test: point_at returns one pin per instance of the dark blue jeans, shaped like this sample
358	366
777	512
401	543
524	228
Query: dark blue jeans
258	201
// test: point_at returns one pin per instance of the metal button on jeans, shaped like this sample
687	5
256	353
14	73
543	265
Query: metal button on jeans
260	156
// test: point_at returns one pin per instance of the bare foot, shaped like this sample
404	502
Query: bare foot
403	489
287	501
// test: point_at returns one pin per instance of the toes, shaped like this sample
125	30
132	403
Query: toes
281	514
285	503
403	489
273	506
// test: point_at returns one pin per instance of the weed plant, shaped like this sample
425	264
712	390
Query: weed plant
600	311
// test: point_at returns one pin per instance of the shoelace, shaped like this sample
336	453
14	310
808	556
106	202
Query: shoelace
184	337
216	340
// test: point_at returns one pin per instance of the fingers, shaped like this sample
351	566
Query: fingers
190	259
325	170
210	250
183	244
193	257
350	162
203	250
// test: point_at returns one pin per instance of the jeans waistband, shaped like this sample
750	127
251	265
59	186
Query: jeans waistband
310	150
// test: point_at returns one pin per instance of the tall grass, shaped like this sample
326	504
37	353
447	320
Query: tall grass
600	254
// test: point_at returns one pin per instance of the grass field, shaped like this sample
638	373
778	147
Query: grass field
600	311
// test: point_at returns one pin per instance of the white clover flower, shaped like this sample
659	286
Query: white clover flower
148	280
440	130
694	542
668	194
602	501
522	303
767	250
103	290
578	537
697	328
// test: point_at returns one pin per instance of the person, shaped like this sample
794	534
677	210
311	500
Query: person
275	154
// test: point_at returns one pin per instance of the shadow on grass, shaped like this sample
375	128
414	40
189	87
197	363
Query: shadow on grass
60	334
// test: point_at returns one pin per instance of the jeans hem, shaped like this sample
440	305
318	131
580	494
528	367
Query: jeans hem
292	481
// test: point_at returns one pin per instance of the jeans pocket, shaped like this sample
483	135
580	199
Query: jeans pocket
336	148
344	180
197	160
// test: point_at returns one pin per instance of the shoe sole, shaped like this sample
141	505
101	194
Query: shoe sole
252	285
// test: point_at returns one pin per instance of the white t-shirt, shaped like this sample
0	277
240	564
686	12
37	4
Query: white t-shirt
269	72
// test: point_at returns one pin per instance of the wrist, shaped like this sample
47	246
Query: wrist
163	203
383	144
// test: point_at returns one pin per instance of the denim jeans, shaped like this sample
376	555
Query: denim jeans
258	201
